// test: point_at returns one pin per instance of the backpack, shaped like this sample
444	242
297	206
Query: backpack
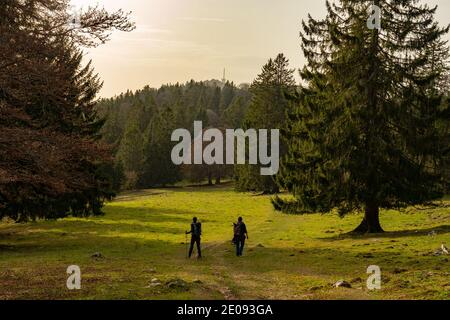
237	229
197	229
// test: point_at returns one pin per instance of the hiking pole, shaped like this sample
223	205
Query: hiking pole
186	245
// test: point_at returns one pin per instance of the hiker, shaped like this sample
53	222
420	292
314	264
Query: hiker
240	233
196	232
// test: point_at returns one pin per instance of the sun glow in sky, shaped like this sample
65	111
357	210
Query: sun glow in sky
179	40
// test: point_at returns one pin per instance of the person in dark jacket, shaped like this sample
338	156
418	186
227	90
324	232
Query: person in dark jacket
196	233
240	235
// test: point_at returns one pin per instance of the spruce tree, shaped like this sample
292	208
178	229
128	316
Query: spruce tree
214	104
51	161
233	116
158	168
370	127
228	93
131	153
266	111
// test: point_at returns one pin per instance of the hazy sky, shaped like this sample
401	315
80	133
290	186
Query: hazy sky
179	40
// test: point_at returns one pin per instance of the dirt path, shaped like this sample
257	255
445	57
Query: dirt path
217	252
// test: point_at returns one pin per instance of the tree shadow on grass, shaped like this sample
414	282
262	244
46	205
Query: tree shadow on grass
336	263
140	194
260	265
258	274
158	215
150	214
126	230
125	227
444	229
122	224
92	236
137	194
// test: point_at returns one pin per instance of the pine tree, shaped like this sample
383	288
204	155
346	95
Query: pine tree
131	153
51	160
158	168
213	174
368	130
202	115
227	96
149	108
112	130
266	111
233	116
214	104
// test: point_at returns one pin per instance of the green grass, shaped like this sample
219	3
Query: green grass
287	257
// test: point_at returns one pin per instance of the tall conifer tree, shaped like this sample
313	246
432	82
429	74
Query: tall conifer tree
158	168
367	132
51	162
266	111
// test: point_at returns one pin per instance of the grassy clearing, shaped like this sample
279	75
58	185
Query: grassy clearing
288	257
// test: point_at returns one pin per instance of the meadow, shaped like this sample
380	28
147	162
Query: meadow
137	251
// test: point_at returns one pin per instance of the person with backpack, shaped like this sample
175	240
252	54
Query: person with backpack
196	233
240	234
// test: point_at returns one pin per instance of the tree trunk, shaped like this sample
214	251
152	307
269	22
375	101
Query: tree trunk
371	221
